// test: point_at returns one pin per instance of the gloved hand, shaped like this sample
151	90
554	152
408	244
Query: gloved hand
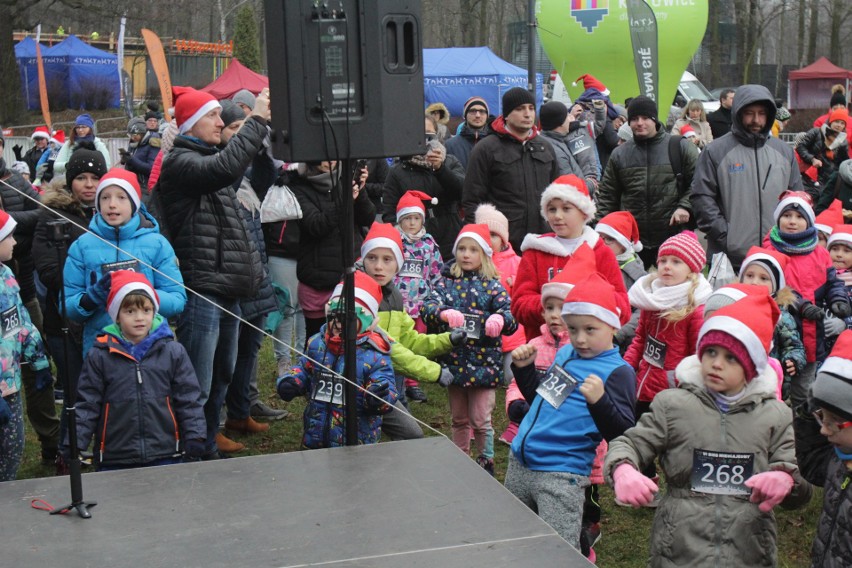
43	379
5	412
454	318
632	487
381	390
494	325
833	326
194	449
97	294
769	488
841	309
446	377
18	151
811	312
288	390
457	337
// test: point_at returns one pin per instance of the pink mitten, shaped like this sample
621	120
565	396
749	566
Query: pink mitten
454	318
494	325
632	487
769	488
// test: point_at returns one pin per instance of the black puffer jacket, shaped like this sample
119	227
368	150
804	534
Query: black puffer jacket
811	146
201	212
44	249
320	258
839	186
639	179
25	212
819	464
442	220
512	174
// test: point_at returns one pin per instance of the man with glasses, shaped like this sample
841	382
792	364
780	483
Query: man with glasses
473	129
823	429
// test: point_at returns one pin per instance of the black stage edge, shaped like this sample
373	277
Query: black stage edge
418	503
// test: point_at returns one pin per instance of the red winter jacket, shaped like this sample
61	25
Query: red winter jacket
680	339
543	258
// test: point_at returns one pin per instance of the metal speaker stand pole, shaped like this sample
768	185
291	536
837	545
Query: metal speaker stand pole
347	227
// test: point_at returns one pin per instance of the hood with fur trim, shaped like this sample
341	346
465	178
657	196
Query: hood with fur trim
441	108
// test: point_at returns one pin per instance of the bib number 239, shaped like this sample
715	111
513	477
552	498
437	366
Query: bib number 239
327	388
556	386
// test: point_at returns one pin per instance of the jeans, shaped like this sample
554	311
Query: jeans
282	271
209	336
238	399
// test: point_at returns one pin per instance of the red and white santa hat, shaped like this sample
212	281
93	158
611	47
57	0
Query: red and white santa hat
368	293
412	202
7	225
589	82
123	282
579	266
745	328
832	388
595	297
772	261
477	232
728	294
40	132
572	189
191	105
621	226
383	235
687	131
797	200
124	179
58	137
841	233
830	218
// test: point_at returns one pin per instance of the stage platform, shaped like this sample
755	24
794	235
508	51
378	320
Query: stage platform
413	504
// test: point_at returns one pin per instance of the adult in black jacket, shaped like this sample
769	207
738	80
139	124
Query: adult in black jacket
474	128
320	260
377	170
217	257
721	120
40	138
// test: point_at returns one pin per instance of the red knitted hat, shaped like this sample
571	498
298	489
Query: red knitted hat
123	282
579	266
831	217
7	224
191	105
412	202
589	82
124	179
383	235
478	233
686	247
593	296
572	189
621	226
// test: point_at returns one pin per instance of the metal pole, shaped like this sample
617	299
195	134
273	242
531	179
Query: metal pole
349	334
531	46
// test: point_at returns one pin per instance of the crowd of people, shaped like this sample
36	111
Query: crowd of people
561	253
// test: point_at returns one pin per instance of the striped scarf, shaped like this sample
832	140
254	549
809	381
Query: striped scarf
794	244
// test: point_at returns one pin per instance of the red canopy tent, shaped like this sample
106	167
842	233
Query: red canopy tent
237	76
810	87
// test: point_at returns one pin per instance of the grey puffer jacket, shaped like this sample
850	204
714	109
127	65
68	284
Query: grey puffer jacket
567	162
738	179
701	529
821	466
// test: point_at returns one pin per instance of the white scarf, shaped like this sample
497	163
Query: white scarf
649	293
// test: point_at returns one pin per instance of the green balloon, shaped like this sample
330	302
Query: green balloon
594	37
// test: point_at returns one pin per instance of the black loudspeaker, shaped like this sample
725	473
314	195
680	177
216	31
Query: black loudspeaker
345	78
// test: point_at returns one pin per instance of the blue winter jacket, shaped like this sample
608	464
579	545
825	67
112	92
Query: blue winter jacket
565	438
323	419
89	258
141	402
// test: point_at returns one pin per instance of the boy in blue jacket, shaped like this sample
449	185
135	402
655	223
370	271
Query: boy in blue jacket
588	394
138	393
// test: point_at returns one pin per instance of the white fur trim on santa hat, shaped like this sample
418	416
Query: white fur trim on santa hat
204	109
765	258
839	237
123	184
742	333
485	245
827	229
8	228
361	296
411	211
555	290
837	366
570	194
592	309
383	242
134	286
804	206
609	231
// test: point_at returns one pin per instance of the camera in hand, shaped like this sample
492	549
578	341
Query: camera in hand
60	229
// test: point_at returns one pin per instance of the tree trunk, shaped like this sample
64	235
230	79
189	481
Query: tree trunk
800	37
813	33
742	45
837	19
11	106
466	23
715	52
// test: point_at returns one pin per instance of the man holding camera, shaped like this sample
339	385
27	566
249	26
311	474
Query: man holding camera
143	149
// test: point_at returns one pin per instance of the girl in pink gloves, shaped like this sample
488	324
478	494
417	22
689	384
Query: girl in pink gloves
469	295
725	444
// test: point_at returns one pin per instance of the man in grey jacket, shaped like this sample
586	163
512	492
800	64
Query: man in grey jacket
555	123
739	177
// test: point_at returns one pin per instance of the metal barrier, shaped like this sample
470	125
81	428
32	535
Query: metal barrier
112	144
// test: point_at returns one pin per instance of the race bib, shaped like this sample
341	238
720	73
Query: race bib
412	268
655	352
328	388
721	473
10	320
132	265
556	386
473	325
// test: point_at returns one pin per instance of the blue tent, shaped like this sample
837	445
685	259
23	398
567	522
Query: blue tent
454	74
89	75
25	55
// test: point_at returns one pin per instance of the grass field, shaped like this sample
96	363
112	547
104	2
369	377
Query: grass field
625	531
